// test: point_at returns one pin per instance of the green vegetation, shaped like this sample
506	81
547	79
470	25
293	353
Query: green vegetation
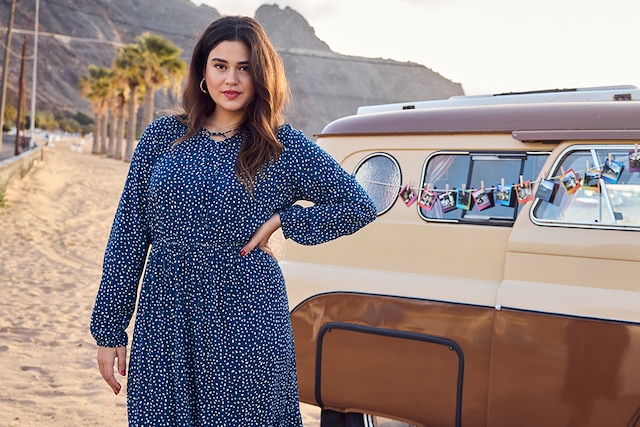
50	120
3	197
63	120
10	114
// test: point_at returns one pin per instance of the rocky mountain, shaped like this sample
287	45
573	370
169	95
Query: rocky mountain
325	85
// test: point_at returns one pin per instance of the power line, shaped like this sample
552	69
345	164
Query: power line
120	22
65	38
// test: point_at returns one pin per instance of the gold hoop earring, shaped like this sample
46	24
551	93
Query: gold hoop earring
202	87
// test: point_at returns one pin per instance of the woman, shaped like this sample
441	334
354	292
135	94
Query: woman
212	343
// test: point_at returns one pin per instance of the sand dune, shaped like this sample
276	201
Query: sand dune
52	238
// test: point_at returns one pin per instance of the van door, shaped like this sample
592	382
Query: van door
567	331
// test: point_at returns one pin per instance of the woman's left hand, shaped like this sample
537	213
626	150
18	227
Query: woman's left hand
261	236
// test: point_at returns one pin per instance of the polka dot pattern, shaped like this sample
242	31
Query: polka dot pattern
212	342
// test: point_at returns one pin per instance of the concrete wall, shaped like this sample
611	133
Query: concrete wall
18	166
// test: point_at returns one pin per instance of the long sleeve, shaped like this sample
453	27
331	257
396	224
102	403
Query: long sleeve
340	205
125	254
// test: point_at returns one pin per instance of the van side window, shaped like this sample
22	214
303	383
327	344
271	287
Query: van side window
609	191
380	176
453	171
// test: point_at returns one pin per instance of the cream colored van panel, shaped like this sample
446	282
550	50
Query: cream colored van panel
305	279
582	301
416	247
573	271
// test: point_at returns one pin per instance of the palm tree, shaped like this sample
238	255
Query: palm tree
128	66
85	86
96	88
117	88
117	149
113	122
139	70
161	67
120	88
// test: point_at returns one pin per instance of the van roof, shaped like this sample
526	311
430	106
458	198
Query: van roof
553	121
586	94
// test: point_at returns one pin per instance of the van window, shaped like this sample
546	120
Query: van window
380	176
608	193
451	172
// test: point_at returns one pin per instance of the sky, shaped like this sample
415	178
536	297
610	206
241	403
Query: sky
489	46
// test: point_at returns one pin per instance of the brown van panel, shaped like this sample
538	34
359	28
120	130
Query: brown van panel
563	371
407	374
544	369
493	118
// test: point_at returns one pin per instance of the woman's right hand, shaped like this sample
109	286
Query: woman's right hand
106	360
261	236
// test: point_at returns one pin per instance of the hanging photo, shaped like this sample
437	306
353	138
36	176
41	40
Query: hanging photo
407	195
503	194
634	161
591	180
482	198
570	181
524	193
611	171
546	190
427	199
447	201
463	199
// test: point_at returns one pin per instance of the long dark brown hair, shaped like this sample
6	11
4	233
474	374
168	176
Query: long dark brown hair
265	113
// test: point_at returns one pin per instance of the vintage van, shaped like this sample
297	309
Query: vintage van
500	283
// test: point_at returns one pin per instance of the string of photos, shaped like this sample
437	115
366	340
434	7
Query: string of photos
508	194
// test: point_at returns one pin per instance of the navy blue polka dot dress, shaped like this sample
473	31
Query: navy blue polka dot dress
212	342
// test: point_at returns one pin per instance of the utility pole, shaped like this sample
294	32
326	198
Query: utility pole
5	69
21	99
32	124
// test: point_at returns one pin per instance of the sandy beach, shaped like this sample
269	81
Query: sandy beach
52	238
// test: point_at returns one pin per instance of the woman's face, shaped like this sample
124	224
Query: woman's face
229	82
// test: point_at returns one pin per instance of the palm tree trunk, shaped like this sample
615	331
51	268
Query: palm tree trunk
105	126
117	154
113	124
97	134
111	106
149	106
131	127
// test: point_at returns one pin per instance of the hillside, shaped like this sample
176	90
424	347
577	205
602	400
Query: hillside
325	85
